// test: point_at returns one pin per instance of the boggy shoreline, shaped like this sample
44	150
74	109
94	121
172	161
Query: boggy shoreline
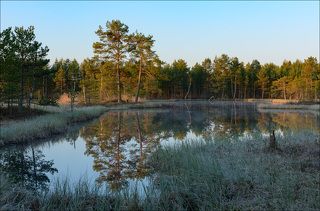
60	119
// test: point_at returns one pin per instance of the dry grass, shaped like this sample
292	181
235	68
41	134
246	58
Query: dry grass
241	175
46	125
314	107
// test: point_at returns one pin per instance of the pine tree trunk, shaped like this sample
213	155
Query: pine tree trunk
139	81
235	88
43	87
61	86
84	94
284	90
224	81
20	104
31	92
185	97
46	87
100	92
119	85
315	90
245	92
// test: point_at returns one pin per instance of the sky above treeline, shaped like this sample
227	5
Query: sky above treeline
267	31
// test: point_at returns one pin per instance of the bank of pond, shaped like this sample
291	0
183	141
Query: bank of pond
189	156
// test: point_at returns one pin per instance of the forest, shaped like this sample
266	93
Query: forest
125	68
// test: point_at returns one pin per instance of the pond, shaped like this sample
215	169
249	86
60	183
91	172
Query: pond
113	150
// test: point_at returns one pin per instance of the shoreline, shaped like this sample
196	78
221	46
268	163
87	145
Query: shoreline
314	107
41	127
261	104
60	118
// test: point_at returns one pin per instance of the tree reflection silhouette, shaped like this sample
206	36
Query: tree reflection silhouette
119	148
27	167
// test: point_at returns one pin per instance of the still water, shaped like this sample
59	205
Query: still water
113	150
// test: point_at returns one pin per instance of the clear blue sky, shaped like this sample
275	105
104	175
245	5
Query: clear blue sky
267	31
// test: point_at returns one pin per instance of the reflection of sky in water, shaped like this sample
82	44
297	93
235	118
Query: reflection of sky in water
74	165
75	161
70	160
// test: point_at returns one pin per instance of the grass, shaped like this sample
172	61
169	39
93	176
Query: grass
46	125
262	104
14	114
240	175
210	175
314	107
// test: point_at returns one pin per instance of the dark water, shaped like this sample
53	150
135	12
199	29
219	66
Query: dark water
114	149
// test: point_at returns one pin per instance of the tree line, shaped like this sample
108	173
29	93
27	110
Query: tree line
125	67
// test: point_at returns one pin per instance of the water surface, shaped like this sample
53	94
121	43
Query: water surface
114	149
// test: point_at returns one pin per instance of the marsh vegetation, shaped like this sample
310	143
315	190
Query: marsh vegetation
183	156
43	126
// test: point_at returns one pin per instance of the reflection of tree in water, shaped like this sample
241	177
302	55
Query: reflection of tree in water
71	137
297	121
145	143
173	123
206	121
106	149
264	122
229	122
121	141
118	147
27	167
